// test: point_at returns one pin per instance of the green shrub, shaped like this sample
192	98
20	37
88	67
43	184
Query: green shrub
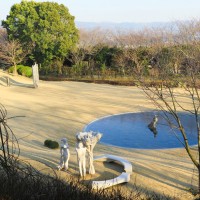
11	69
51	144
22	70
25	71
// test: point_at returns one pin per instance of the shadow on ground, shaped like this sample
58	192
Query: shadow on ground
7	81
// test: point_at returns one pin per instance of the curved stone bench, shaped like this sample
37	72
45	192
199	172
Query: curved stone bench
111	158
122	178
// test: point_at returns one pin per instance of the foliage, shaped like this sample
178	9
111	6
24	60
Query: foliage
106	55
25	71
51	144
102	55
11	51
22	70
31	184
48	26
129	63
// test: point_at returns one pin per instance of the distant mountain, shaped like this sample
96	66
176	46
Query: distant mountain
123	26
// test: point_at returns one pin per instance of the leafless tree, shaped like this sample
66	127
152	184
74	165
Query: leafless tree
91	42
11	51
9	146
169	100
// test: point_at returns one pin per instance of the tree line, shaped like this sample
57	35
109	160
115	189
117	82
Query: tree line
46	33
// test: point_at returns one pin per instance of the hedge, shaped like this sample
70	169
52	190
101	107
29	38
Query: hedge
22	70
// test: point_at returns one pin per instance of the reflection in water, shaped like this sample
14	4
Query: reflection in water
152	126
154	131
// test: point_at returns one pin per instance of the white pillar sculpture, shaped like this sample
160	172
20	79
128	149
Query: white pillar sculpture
81	153
89	140
64	154
35	75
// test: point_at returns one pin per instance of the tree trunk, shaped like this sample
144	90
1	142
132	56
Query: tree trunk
15	70
198	136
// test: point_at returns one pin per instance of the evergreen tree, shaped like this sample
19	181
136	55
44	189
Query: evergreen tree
48	26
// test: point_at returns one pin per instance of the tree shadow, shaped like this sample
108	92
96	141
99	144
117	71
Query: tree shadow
162	178
104	171
7	81
4	81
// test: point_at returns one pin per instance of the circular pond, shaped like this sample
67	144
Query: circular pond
130	130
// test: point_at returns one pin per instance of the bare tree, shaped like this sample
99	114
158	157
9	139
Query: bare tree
9	146
11	51
169	100
91	42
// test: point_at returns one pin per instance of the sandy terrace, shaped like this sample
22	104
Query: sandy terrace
61	109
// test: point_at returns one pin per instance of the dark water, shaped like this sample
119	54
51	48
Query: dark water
131	130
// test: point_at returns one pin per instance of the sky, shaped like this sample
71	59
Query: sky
118	11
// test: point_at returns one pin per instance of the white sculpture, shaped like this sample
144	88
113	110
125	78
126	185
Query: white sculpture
64	154
89	140
81	153
35	75
122	178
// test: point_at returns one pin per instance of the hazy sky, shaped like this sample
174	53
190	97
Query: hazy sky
123	10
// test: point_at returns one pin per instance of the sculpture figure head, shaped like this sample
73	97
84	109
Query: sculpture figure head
88	138
63	143
99	136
